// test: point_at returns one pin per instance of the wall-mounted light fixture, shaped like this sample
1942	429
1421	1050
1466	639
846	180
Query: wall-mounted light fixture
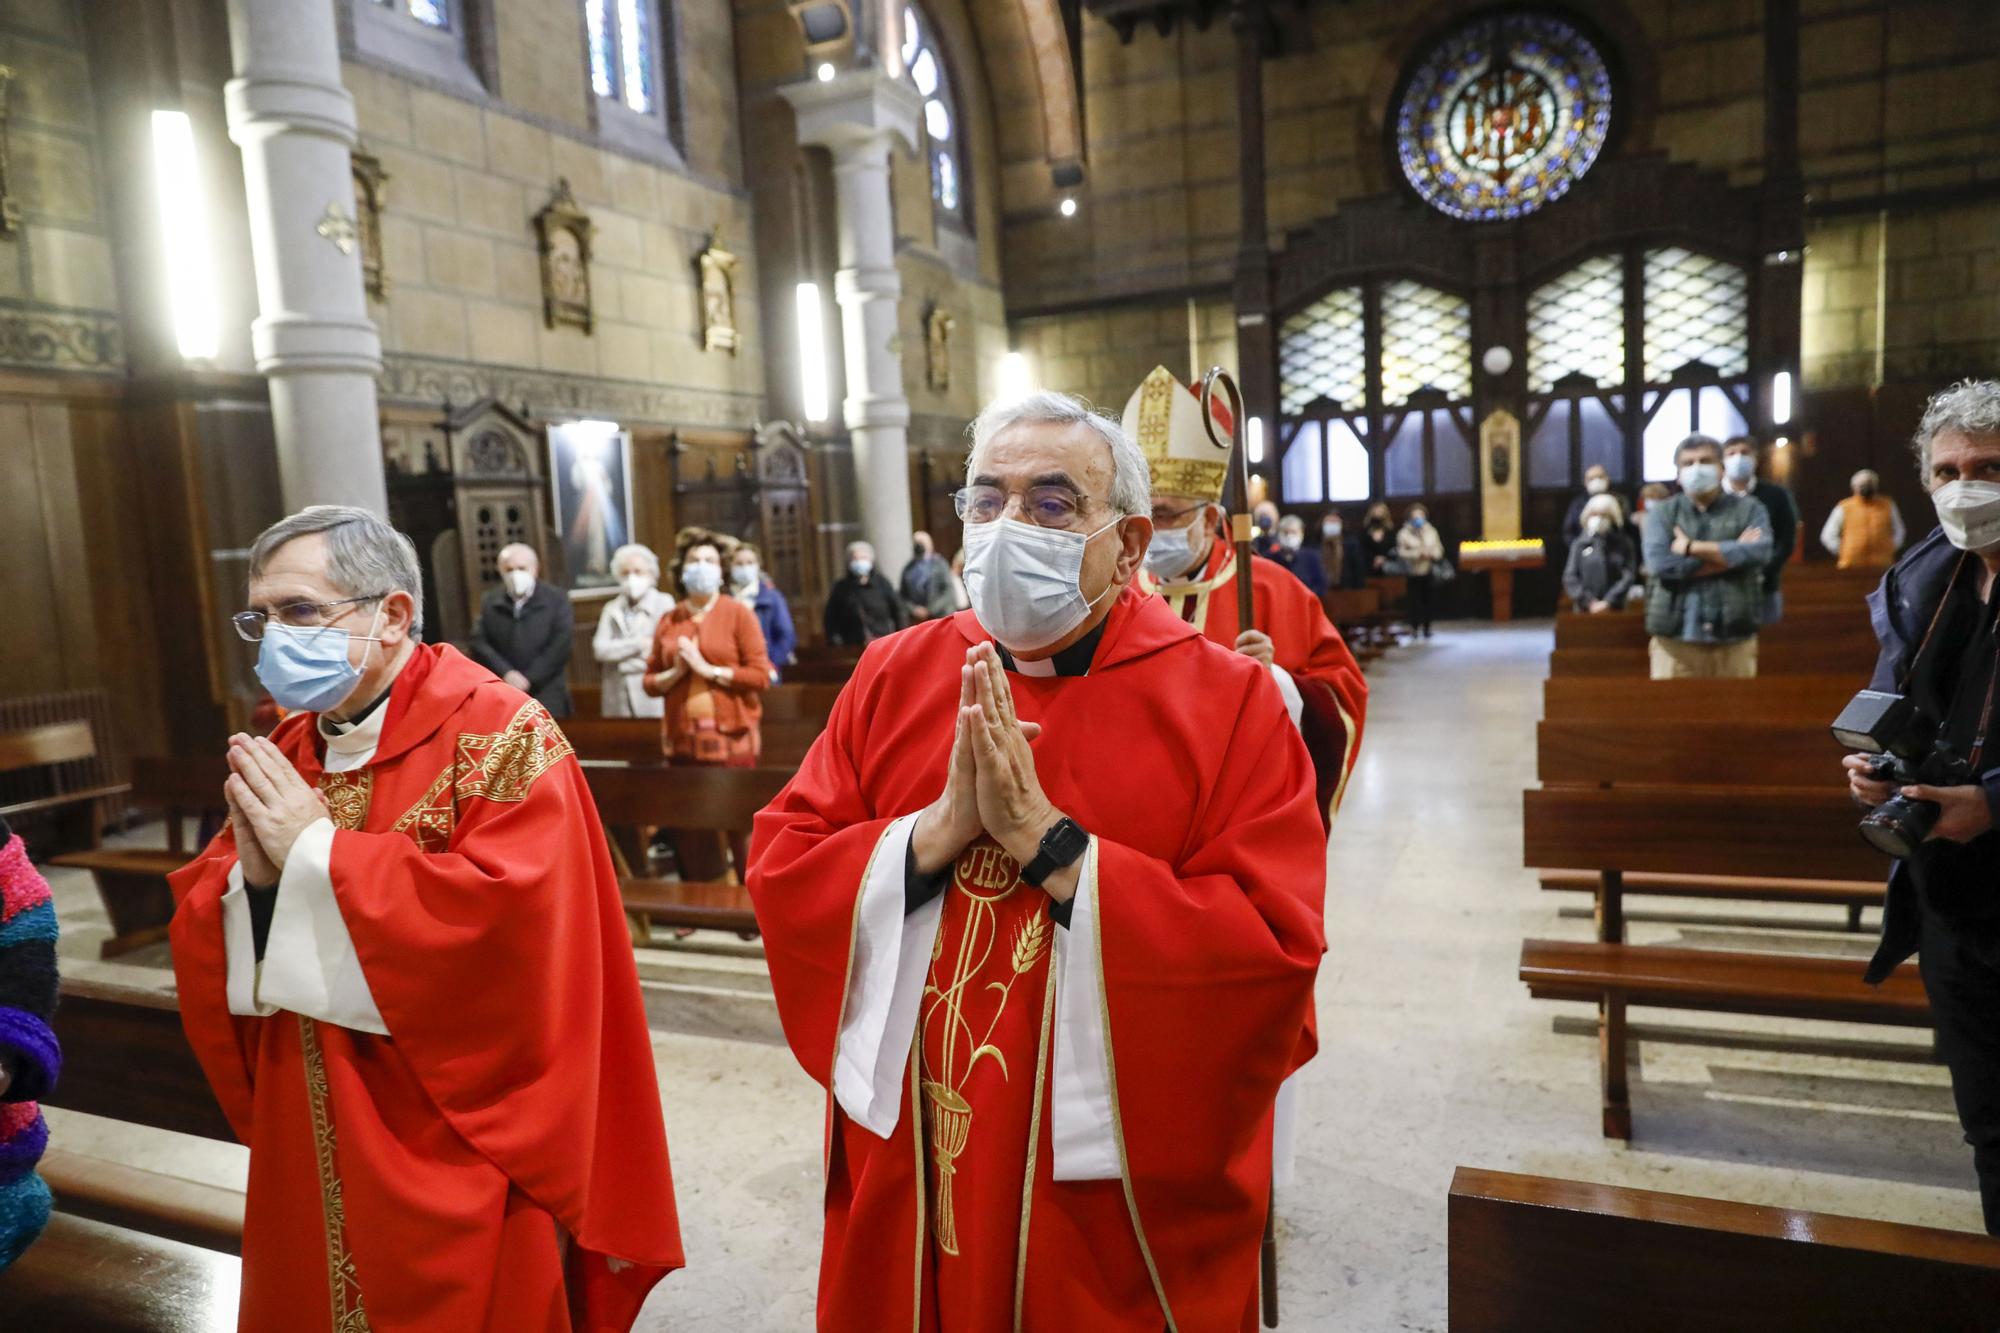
1253	440
812	353
184	236
825	72
1781	398
1067	207
1015	377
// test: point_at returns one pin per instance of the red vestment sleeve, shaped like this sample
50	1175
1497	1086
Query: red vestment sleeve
1207	975
503	971
225	1045
809	856
1331	687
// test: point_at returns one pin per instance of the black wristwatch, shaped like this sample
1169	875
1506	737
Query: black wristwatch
1060	846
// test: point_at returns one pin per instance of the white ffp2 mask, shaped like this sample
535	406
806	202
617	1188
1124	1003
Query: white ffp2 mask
1969	513
1173	550
1025	581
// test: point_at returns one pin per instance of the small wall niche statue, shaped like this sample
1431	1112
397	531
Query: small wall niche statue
563	231
938	324
717	268
370	183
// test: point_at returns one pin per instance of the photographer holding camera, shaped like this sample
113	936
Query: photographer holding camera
1932	779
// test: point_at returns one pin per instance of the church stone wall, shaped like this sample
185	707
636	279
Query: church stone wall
1104	354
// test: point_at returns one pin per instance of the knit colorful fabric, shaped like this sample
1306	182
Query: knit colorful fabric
28	1048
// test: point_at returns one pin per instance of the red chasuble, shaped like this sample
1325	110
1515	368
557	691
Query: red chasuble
1305	644
417	1181
1208	882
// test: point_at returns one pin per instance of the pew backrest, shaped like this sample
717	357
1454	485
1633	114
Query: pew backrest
1852	651
1806	700
1770	833
1664	751
1627	629
697	799
125	1057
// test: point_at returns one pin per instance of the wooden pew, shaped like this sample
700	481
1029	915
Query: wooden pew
721	800
88	1277
1805	700
1668	750
132	881
1561	1256
629	740
41	754
1627	629
1852	652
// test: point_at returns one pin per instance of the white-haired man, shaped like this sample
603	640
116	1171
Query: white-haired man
1865	530
405	970
527	630
1934	615
997	900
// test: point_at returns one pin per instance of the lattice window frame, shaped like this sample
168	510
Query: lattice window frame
1697	311
1576	325
1323	353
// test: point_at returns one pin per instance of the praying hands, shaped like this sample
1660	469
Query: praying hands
269	806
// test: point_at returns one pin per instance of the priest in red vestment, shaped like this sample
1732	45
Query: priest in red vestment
406	972
1192	565
1043	912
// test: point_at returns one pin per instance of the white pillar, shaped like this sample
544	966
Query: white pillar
312	337
859	115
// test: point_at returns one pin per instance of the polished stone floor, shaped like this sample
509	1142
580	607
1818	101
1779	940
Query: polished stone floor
1432	1055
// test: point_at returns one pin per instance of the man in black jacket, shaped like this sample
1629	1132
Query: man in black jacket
1739	477
862	606
1934	615
526	631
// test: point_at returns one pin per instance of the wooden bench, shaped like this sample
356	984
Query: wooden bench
132	881
1805	700
1853	652
1668	750
629	740
40	755
720	800
1561	1256
1627	629
1714	980
89	1277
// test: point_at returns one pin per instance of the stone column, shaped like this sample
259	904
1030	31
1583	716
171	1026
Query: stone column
859	115
312	337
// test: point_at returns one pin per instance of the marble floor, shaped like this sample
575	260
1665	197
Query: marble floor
1432	1054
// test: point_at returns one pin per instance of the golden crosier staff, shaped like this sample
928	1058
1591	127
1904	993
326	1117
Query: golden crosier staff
1224	424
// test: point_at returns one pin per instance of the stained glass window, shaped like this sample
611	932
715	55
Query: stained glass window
1503	115
1576	325
620	34
430	13
1426	342
927	71
1697	309
1322	352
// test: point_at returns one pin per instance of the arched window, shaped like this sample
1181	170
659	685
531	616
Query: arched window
1389	362
925	65
628	72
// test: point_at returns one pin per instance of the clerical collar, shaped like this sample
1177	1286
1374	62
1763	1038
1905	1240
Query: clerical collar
1071	661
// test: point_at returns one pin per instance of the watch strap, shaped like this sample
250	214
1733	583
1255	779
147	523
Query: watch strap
1049	858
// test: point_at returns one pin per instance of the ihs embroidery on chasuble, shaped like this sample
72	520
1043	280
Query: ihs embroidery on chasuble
992	936
498	767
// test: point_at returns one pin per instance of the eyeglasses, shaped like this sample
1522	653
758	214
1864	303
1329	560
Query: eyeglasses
1044	506
293	615
1166	516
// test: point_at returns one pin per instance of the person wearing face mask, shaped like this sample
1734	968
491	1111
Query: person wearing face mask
1378	540
1865	530
1295	555
1421	550
926	581
1066	812
749	585
527	631
1340	553
1705	555
409	939
862	606
1602	564
709	663
625	633
1596	482
1739	477
1934	615
1264	521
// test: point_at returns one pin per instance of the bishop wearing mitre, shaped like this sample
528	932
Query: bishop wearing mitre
405	970
1042	909
1192	564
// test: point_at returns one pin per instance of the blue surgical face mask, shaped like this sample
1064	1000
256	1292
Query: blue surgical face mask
307	670
701	578
1700	478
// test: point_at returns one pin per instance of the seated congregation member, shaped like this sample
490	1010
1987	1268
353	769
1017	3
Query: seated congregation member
1378	540
958	919
30	1059
1191	566
1340	553
1420	548
405	970
1934	615
1739	477
749	585
862	607
1295	555
527	630
625	633
1705	556
1602	564
1865	530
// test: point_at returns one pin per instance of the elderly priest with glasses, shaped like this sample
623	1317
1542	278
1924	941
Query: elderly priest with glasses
406	972
1043	912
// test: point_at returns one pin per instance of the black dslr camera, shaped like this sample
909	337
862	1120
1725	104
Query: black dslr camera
1908	751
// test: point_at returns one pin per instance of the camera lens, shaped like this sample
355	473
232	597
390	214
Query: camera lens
1899	825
